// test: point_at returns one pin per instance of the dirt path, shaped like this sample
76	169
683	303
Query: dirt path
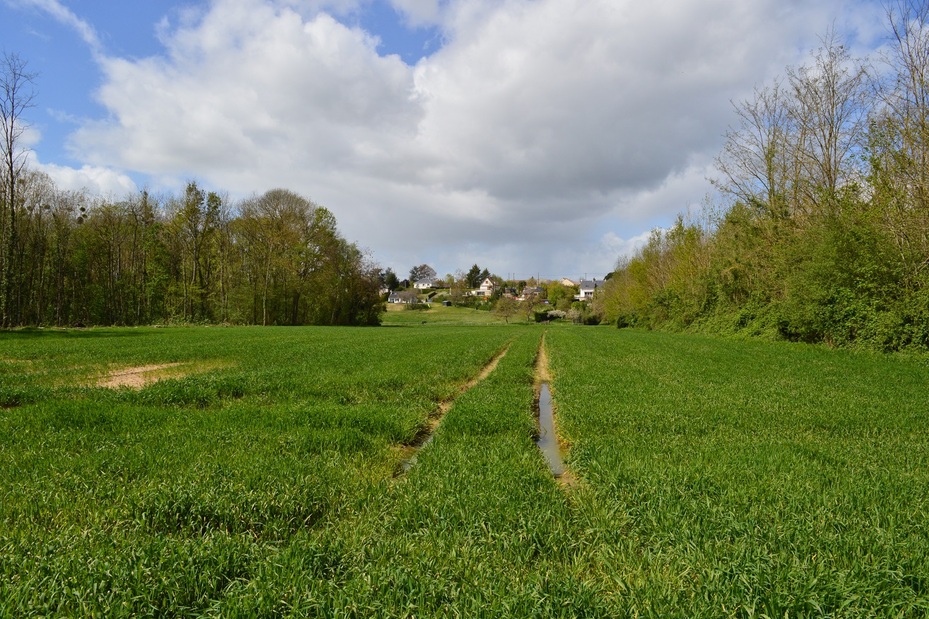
427	430
542	373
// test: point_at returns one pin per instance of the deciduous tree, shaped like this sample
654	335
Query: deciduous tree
421	272
16	97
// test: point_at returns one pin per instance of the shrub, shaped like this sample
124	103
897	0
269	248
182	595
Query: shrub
417	307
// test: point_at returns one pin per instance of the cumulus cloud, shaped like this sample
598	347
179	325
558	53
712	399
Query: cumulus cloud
94	180
248	90
537	120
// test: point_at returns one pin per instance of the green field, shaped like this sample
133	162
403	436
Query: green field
437	314
263	475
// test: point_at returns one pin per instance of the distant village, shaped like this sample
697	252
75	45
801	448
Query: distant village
547	299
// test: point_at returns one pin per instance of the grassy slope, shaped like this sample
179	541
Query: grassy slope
439	315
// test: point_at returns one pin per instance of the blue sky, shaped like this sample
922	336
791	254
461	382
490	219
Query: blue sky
528	136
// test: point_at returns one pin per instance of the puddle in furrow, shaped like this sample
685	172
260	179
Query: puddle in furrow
407	464
548	440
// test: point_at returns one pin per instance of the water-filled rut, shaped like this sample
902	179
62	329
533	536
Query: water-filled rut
548	439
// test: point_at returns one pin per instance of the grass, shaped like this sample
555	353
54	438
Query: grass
477	528
714	477
438	314
157	501
751	478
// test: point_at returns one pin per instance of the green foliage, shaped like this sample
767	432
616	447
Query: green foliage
844	273
834	277
505	307
417	306
278	260
559	295
390	280
543	315
826	236
473	276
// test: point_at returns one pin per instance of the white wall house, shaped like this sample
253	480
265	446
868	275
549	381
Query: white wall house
587	288
486	289
425	284
403	296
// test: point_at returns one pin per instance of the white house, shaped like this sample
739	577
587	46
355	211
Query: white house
405	297
486	289
425	284
588	287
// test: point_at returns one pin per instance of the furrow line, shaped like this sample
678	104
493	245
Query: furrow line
428	429
548	441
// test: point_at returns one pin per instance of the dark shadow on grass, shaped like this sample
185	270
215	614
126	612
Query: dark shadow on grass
32	333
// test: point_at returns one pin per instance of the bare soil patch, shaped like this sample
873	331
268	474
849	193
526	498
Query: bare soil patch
139	376
542	373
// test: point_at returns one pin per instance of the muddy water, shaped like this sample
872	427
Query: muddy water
407	464
548	441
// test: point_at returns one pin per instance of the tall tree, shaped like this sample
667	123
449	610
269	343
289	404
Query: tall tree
423	271
474	276
16	97
829	109
390	279
755	159
796	143
506	306
899	139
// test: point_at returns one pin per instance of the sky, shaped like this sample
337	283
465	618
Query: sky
531	137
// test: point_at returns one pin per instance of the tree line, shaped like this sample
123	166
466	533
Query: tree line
274	259
824	235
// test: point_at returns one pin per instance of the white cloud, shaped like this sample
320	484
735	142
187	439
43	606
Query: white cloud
419	12
91	179
250	92
67	17
538	122
601	257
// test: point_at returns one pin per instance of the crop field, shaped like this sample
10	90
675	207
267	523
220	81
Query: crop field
750	478
278	472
